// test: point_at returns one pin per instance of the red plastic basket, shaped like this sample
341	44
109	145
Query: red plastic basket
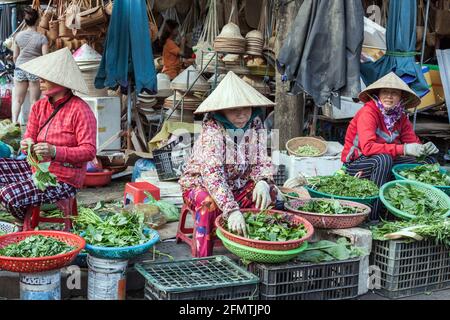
335	221
33	265
268	245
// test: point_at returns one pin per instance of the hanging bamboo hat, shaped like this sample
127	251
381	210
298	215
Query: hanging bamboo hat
231	93
58	67
391	81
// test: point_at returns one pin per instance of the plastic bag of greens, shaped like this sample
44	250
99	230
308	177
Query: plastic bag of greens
152	215
169	210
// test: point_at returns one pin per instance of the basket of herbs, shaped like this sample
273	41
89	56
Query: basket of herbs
270	230
409	199
330	213
431	174
306	147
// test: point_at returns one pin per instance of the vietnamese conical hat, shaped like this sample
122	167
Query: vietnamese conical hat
231	31
86	53
391	81
185	79
58	67
231	93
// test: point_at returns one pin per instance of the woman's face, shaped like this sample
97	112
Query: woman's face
238	117
50	88
390	97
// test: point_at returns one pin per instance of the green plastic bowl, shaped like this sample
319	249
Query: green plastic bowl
318	194
400	167
259	255
431	192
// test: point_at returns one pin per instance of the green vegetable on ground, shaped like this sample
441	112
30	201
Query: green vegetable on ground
10	134
344	185
429	173
170	211
307	151
328	207
42	177
36	247
326	251
410	199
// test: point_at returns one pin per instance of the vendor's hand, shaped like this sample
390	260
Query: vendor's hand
25	142
430	149
44	150
261	195
414	149
236	223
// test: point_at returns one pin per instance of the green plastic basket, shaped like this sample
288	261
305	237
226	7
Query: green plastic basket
431	192
259	255
400	167
318	194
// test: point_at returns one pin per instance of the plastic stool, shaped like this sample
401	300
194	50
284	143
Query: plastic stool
135	192
33	216
185	234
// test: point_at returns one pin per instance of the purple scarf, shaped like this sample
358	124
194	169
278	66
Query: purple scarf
390	116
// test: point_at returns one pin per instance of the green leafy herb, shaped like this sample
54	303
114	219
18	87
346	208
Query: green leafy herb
429	173
42	177
328	207
307	151
36	247
10	134
326	251
344	185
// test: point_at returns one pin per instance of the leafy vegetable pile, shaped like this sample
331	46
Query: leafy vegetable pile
344	185
307	151
42	177
36	247
428	173
277	227
412	200
325	251
10	134
328	207
119	229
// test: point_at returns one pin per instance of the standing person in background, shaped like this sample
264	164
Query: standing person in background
172	53
28	45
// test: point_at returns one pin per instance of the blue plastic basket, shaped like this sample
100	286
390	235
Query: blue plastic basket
400	167
123	252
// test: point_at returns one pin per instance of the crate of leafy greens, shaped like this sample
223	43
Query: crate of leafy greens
409	199
342	186
431	174
326	270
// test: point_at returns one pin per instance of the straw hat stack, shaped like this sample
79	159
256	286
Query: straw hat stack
258	84
233	63
191	102
88	60
230	40
212	64
185	79
146	102
254	43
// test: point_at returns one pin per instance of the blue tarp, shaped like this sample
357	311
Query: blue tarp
401	44
128	50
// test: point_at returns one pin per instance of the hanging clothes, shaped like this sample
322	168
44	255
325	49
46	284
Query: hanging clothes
5	22
128	50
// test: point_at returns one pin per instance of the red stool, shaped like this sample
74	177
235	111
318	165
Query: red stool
68	207
185	234
135	192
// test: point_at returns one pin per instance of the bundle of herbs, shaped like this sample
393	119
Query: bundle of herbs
429	173
307	151
272	227
115	229
36	247
328	207
42	177
326	251
412	200
344	185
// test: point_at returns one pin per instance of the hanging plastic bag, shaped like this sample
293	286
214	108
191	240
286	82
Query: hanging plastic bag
170	211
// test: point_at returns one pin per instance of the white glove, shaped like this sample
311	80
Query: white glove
414	149
236	223
261	195
430	148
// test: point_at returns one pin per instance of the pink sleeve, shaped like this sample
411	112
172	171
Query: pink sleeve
408	135
33	124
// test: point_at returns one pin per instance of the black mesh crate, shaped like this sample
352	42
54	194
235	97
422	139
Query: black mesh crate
212	278
335	280
410	268
170	160
280	177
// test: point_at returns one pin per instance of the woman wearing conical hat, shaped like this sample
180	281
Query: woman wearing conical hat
61	129
229	168
381	135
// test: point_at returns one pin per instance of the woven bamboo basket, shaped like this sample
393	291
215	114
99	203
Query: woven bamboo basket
293	144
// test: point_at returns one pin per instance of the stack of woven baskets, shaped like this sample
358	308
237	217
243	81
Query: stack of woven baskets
254	42
230	40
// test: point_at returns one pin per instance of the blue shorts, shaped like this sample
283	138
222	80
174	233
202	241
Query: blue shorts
20	76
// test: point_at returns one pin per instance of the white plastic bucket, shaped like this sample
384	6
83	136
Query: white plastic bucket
106	279
40	286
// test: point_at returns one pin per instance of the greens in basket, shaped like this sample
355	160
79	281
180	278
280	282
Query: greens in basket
276	227
36	247
410	199
116	229
344	185
307	151
428	173
328	207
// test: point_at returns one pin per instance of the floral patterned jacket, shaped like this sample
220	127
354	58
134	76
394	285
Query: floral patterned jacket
221	165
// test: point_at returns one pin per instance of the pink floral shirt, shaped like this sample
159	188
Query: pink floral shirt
222	166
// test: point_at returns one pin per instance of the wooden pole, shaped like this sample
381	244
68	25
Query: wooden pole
289	110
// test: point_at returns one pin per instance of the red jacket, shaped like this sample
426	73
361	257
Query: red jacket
367	135
73	131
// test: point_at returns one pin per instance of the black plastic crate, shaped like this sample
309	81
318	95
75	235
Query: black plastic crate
212	278
170	160
280	176
408	268
337	280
